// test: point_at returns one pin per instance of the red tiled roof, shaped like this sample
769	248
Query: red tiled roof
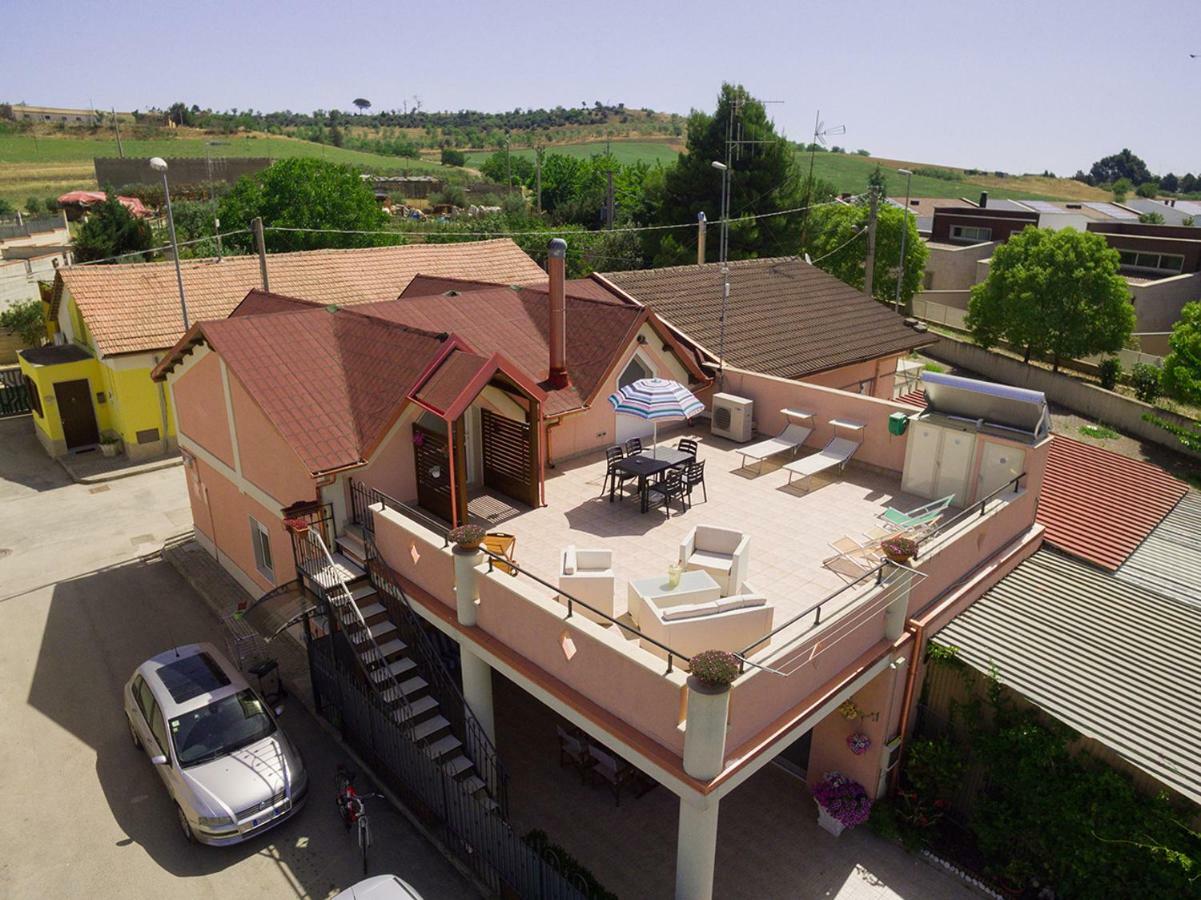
331	382
443	387
1096	504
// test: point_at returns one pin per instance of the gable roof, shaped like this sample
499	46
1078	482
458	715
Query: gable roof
785	317
1115	661
134	307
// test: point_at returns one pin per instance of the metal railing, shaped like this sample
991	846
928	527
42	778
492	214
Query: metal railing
439	527
478	747
977	510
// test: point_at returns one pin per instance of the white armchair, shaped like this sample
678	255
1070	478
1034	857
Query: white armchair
588	575
722	552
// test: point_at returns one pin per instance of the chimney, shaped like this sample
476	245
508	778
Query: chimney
556	262
983	199
700	238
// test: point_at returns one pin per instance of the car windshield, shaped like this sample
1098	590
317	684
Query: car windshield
220	728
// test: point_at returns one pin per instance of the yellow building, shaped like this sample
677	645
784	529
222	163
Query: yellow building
115	323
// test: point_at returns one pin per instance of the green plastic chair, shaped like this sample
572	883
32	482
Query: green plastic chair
923	515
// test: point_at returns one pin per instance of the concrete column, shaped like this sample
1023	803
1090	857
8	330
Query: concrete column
897	580
467	588
477	689
696	848
705	730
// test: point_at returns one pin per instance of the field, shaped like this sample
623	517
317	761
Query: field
47	165
623	151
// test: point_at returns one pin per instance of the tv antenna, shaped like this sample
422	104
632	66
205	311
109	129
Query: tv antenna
821	132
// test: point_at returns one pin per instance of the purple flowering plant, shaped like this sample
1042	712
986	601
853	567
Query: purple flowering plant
843	798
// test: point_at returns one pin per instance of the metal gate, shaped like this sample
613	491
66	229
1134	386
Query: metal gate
431	455
508	457
14	394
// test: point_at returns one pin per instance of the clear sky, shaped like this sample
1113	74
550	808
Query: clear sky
1012	85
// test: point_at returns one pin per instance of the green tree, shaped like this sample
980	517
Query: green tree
498	166
877	184
1148	189
32	205
27	319
1182	368
1169	183
1120	165
453	157
1055	292
1151	218
837	243
194	221
309	194
765	178
6	207
51	204
111	230
1121	188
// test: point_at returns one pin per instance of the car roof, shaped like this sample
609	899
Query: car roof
380	887
190	677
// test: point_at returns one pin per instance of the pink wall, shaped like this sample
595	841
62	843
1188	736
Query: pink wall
225	520
267	460
396	537
200	404
772	394
391	468
881	372
829	751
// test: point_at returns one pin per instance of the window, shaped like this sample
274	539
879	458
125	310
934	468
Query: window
220	728
141	693
1152	263
158	727
35	396
261	538
636	370
975	233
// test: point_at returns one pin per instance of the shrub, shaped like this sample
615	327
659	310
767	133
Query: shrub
453	157
32	205
1146	381
567	865
843	798
1109	371
27	320
935	172
714	668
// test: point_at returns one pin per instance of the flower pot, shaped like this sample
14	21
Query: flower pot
109	450
469	546
899	558
828	822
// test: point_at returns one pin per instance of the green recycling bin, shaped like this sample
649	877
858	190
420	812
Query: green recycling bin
897	423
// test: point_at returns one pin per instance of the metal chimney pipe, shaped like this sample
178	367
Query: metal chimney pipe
701	222
556	264
983	199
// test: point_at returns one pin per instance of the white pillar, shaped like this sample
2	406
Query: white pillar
477	689
696	848
897	580
467	589
705	730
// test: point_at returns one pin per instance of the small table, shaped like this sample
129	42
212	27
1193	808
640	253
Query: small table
695	586
645	465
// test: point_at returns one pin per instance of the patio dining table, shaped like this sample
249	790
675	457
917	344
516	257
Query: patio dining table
645	466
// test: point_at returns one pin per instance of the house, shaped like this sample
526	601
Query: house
76	203
328	450
31	248
1161	263
785	317
1174	212
117	322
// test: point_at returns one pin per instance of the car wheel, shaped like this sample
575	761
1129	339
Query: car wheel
133	734
183	823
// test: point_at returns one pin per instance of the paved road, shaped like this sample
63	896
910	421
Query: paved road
81	811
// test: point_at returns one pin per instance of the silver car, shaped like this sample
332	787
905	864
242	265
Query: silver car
227	765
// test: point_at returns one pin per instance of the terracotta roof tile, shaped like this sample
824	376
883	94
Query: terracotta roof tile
785	317
135	307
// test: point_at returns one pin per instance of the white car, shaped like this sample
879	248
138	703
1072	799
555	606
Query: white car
223	758
381	887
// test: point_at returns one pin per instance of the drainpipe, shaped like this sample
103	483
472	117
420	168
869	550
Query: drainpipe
550	459
919	634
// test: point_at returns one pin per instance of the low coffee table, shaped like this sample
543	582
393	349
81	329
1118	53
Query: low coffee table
696	586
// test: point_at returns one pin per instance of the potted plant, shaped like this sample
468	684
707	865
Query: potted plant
296	526
899	549
848	710
714	670
841	803
859	743
467	537
110	443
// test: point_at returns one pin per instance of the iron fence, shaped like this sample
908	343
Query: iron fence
480	838
14	393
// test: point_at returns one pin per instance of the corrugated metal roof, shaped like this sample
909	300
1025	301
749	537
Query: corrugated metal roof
1114	661
1169	560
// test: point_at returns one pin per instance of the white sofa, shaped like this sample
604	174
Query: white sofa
728	623
588	575
722	552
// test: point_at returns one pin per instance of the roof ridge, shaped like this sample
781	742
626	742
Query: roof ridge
706	265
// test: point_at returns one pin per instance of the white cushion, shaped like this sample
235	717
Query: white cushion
688	611
740	601
717	540
593	559
705	559
569	561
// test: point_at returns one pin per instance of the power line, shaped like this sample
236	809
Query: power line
858	234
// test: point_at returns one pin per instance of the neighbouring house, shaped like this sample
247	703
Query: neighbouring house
1161	263
117	321
785	317
76	204
328	449
1174	212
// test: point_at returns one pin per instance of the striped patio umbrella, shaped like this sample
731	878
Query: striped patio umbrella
655	399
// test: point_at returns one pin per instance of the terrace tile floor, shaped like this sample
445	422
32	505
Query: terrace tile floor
769	843
790	528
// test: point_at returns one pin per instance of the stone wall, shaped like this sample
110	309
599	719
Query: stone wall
181	170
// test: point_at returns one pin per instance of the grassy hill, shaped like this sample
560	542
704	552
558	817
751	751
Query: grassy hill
624	151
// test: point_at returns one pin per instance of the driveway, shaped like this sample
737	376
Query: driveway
82	812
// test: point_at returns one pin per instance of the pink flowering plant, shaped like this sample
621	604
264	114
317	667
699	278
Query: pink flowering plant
859	743
843	798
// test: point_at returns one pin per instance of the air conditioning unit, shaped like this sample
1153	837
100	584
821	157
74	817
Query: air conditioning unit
732	417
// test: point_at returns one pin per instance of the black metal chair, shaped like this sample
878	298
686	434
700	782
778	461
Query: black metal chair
669	488
688	445
613	456
694	474
633	446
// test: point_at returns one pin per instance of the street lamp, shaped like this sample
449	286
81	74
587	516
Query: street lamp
723	250
904	232
160	165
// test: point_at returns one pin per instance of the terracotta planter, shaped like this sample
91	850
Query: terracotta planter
828	822
468	546
898	558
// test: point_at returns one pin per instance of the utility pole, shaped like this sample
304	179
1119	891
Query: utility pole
538	175
508	166
117	129
256	225
609	189
701	223
870	267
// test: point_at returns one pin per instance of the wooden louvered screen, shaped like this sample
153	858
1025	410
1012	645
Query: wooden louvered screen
433	471
508	457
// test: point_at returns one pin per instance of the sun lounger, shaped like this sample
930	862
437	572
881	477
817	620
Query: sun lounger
926	514
795	434
835	454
